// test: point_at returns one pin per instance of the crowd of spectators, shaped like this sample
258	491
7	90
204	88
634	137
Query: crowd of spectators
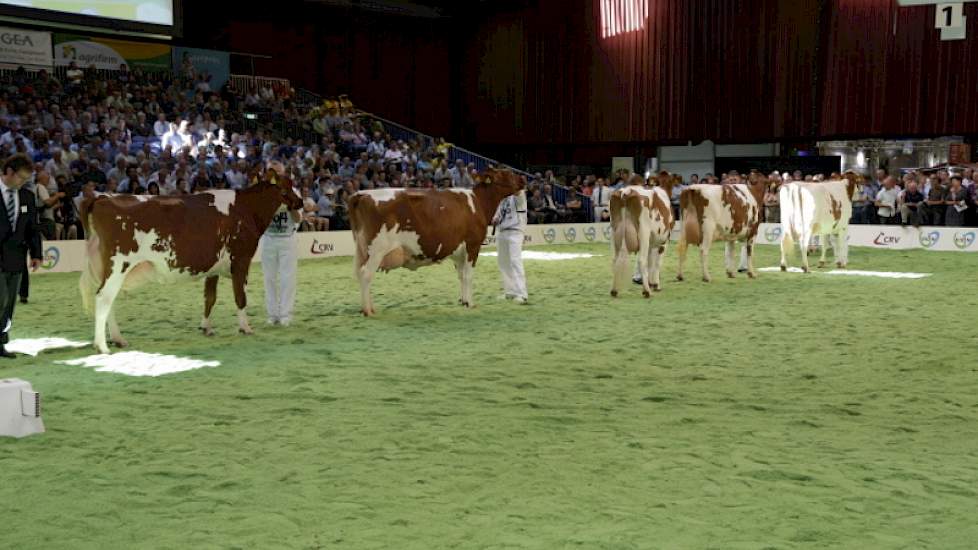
161	133
156	133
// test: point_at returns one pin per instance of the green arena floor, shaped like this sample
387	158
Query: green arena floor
792	411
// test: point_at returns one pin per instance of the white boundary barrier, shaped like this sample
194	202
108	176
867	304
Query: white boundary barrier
69	256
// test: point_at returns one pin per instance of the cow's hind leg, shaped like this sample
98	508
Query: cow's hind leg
729	249
824	241
465	270
210	297
365	267
842	249
708	228
803	243
239	281
681	248
749	249
655	266
619	268
104	300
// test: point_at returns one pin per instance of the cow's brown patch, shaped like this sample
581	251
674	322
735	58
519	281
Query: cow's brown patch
836	207
738	208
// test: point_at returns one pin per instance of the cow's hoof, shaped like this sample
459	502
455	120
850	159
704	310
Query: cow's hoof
102	349
246	331
707	280
840	265
614	293
784	269
679	278
821	265
367	312
121	344
207	331
656	288
731	275
646	294
805	269
751	275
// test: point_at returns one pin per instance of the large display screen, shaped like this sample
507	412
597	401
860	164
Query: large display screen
133	15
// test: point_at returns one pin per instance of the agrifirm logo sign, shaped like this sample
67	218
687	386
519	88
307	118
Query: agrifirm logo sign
773	233
51	257
929	240
886	240
964	240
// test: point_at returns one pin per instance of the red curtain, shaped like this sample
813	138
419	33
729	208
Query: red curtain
696	70
887	72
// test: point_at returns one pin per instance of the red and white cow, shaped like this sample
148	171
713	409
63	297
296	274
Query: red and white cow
641	222
417	227
817	208
729	212
135	239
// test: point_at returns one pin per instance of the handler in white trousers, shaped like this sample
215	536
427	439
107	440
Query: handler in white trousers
510	222
279	261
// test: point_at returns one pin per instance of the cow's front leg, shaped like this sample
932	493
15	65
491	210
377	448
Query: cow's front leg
239	280
465	269
728	258
210	297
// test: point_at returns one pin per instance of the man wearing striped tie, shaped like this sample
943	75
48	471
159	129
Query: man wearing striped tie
19	234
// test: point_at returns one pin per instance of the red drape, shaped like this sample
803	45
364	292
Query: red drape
886	72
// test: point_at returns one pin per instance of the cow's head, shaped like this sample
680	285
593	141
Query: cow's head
855	182
503	182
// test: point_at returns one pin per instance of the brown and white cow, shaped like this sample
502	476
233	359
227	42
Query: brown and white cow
136	239
729	212
821	208
641	222
417	227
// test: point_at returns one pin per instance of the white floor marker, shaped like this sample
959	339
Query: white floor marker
856	273
137	363
33	346
548	256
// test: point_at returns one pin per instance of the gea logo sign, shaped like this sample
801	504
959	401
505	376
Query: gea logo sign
550	235
964	240
318	248
51	257
570	234
607	232
772	234
885	240
11	39
928	240
590	234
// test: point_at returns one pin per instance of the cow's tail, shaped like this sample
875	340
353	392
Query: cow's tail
691	232
790	202
91	278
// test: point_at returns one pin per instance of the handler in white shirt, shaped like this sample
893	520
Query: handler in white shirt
510	222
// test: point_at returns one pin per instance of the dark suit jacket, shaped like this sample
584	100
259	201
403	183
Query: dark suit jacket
16	242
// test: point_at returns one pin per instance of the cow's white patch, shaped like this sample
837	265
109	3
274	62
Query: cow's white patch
468	194
223	199
856	273
142	198
33	346
547	256
382	195
137	363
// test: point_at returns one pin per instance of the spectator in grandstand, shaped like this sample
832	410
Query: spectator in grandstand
912	204
936	201
886	202
956	201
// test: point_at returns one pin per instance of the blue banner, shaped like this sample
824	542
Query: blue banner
215	65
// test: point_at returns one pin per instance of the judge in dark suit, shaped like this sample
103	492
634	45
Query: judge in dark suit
19	234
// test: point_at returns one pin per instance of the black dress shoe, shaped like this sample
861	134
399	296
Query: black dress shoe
6	354
637	280
23	300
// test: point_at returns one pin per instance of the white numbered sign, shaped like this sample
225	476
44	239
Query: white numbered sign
949	15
